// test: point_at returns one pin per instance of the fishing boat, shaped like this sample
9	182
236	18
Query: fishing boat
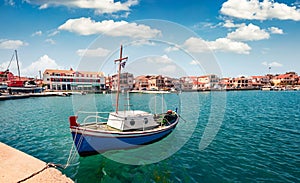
18	84
3	86
98	132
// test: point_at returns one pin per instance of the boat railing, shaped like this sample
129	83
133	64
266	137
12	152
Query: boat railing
98	117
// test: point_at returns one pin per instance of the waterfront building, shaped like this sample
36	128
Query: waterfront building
207	82
259	81
289	78
188	83
225	83
141	83
168	83
240	83
156	82
61	80
126	81
108	82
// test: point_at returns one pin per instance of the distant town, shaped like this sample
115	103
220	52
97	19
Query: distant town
93	82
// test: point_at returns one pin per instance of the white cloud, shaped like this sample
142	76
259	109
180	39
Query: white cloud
230	24
260	10
159	60
172	48
275	30
248	33
100	6
53	33
194	62
86	26
195	45
272	64
12	67
11	44
37	33
98	52
51	41
275	64
168	70
265	63
142	42
43	63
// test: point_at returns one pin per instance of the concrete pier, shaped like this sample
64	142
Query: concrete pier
16	166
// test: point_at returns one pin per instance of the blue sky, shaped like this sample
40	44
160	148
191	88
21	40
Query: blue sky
174	38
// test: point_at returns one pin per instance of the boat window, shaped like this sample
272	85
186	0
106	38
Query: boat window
132	122
146	120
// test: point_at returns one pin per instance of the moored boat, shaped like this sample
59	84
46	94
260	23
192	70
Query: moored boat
127	129
3	86
99	132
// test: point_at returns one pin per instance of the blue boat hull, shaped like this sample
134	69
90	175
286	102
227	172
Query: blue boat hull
89	144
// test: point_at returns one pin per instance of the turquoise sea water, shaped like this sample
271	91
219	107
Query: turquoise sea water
257	137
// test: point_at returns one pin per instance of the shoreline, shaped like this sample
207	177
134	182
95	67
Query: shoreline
69	93
17	166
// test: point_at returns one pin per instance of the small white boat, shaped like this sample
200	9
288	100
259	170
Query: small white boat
104	131
155	92
266	88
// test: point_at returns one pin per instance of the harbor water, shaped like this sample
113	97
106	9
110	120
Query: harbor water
237	136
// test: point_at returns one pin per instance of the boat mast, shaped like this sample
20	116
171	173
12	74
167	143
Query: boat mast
119	76
18	64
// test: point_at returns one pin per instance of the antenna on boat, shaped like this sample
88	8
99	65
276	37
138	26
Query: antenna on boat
122	62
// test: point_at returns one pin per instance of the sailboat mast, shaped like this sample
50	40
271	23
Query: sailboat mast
18	64
119	76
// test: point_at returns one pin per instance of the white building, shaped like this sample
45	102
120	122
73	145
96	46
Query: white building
73	80
126	81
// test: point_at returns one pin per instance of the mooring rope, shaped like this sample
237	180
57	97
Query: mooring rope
48	165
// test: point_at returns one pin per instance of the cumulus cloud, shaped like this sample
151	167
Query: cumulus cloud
272	64
194	62
160	60
260	10
197	45
172	48
43	63
275	30
98	52
37	33
143	42
231	24
86	26
53	33
11	44
50	41
248	33
12	67
100	6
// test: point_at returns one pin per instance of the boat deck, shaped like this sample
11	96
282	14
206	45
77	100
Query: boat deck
105	127
161	120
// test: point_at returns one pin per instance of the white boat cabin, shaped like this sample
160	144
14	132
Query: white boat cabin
131	120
